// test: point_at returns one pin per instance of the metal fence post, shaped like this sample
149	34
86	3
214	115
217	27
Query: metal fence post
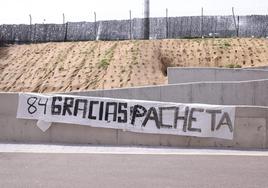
130	25
95	25
167	24
202	22
146	19
236	30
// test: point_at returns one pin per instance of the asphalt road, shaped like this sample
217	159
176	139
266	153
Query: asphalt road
124	170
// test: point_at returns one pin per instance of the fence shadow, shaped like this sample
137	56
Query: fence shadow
3	50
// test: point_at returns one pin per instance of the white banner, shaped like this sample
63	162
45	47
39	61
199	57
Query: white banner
131	115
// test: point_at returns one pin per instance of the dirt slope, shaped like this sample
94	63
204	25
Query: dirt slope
72	66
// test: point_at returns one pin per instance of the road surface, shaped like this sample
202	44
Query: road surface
60	166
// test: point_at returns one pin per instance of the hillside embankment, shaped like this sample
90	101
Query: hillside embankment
77	66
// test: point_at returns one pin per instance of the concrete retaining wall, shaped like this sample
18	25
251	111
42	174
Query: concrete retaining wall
250	131
173	27
222	93
258	68
251	123
185	75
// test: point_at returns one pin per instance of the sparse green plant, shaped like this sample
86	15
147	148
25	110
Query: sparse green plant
135	53
108	56
197	40
226	44
223	44
233	66
104	63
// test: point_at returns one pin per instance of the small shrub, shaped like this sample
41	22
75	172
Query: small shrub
108	56
104	63
224	44
238	66
233	66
